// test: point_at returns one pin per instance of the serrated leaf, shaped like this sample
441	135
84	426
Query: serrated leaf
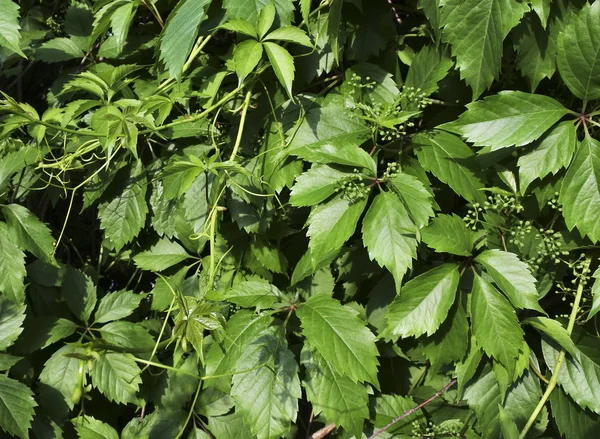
265	19
452	161
250	9
572	421
59	49
117	376
87	427
449	234
428	67
417	200
330	225
12	316
340	400
315	185
180	32
340	337
157	425
554	330
283	65
580	191
551	153
255	293
290	34
15	161
595	295
512	276
9	26
542	9
389	234
268	396
124	216
246	57
120	21
176	387
59	380
476	30
507	118
509	428
12	265
117	305
41	332
494	324
164	254
241	26
423	303
16	407
127	334
580	374
578	57
79	291
389	407
466	368
29	232
7	361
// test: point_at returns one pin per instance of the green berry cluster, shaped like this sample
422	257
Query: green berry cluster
353	188
503	203
392	170
448	428
549	247
414	97
358	83
472	216
553	203
518	231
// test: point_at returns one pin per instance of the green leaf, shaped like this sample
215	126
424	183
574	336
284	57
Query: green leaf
229	426
117	305
79	292
580	191
466	368
554	330
595	295
246	57
578	57
449	234
16	407
330	225
572	421
509	428
423	303
88	427
41	332
416	198
265	19
250	9
241	26
59	49
476	30
290	34
551	153
389	407
491	315
180	32
542	9
176	387
12	265
340	400
9	26
334	23
157	425
127	334
428	67
451	161
268	396
117	376
340	337
283	65
512	276
7	361
124	216
58	381
12	316
164	254
120	21
315	185
580	374
507	118
389	235
255	293
14	162
29	232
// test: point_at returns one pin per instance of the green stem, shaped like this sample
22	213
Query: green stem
561	358
238	139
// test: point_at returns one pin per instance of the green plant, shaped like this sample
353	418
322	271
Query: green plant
237	219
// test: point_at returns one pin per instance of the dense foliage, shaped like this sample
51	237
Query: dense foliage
263	219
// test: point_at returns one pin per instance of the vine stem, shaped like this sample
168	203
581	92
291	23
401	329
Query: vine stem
238	139
414	409
561	358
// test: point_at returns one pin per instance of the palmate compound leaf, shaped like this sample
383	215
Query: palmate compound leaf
283	65
415	196
507	118
117	305
449	234
495	324
250	9
580	191
423	303
117	376
337	333
16	407
330	225
339	399
315	185
12	267
448	158
512	276
268	396
578	57
476	30
550	154
389	234
246	57
580	374
180	32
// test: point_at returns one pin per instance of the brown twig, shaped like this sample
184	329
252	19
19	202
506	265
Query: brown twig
414	409
320	434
